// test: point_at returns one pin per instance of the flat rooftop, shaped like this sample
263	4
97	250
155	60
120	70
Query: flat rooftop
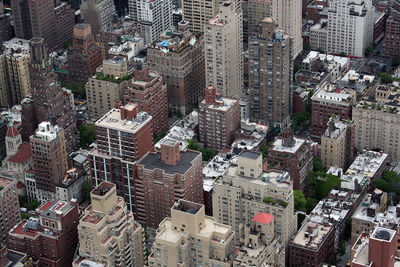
325	57
153	161
112	120
311	235
53	209
279	146
222	103
368	163
250	154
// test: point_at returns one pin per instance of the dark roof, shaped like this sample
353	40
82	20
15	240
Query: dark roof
250	154
24	153
153	161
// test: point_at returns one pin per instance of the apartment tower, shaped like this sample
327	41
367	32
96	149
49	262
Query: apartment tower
50	161
163	178
223	37
97	13
108	233
270	77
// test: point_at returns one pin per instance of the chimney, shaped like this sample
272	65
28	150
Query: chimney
210	94
170	152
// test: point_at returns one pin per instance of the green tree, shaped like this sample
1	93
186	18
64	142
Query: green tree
299	200
265	150
78	89
207	154
87	132
192	144
369	51
311	203
86	189
159	136
341	249
22	200
33	204
300	119
317	165
395	62
306	46
25	216
343	54
389	182
386	77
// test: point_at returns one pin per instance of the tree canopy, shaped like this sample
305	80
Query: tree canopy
87	132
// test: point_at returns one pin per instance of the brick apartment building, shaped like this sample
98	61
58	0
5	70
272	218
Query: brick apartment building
326	102
219	118
9	205
312	245
180	60
50	160
124	136
163	178
294	155
148	90
51	237
85	55
392	44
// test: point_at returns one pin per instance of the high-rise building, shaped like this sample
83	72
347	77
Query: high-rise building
9	205
189	227
17	67
6	29
85	55
163	178
377	122
50	239
257	11
337	144
219	118
50	161
246	190
350	26
148	90
108	233
180	61
154	17
294	155
198	12
22	19
327	102
48	101
97	13
65	21
270	77
105	88
4	92
392	36
43	21
287	15
123	137
223	37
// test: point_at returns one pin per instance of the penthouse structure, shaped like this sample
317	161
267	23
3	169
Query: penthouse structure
9	205
270	78
85	55
313	244
326	102
246	190
377	122
163	177
223	37
337	144
187	227
106	87
148	90
108	233
123	136
180	61
50	161
219	118
293	155
51	237
376	250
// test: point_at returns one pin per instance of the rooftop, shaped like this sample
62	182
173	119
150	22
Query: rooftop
54	209
24	154
368	163
331	94
311	235
46	131
222	103
152	161
263	218
112	120
279	146
313	55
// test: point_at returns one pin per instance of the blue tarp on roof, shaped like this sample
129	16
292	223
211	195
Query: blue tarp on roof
163	43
